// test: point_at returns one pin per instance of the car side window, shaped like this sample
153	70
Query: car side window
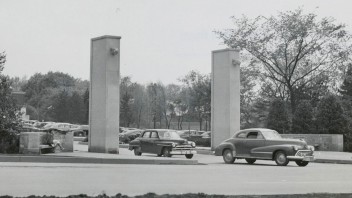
154	135
146	135
260	136
241	135
252	135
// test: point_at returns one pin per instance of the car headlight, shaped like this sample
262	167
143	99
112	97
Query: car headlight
173	145
295	148
193	144
311	148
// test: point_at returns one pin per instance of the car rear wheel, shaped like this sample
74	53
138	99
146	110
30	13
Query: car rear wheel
227	155
281	158
189	156
302	163
137	151
166	152
250	161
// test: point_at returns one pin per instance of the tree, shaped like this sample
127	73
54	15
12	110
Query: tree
330	116
180	101
17	83
126	90
346	87
153	101
139	106
294	48
302	121
86	106
199	87
60	107
9	117
41	90
75	108
9	114
278	117
249	79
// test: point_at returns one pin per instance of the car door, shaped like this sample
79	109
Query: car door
253	144
239	143
145	142
153	143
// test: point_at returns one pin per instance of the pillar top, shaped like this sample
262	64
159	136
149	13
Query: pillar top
225	50
105	37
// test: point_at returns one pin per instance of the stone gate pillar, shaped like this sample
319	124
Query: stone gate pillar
104	95
225	95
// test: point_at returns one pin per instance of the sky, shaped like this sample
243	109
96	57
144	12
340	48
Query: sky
162	40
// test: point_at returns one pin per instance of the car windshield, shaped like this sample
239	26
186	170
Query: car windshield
271	135
169	135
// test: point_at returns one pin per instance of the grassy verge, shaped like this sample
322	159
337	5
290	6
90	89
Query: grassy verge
202	195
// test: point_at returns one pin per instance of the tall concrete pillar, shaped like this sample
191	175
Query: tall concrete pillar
225	95
104	95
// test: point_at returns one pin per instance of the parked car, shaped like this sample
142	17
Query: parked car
195	136
162	142
129	135
205	139
187	133
81	131
264	144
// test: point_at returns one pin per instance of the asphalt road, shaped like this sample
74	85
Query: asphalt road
264	177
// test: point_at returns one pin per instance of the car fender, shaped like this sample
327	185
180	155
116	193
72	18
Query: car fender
225	145
287	148
133	144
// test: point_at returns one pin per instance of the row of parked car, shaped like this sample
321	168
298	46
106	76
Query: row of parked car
201	138
34	125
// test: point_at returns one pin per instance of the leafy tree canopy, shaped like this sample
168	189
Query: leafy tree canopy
294	48
330	116
9	117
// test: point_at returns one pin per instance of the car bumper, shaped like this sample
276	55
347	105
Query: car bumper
183	152
302	155
298	158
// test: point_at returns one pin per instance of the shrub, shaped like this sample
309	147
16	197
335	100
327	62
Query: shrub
9	142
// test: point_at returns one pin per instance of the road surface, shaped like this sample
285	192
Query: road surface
264	177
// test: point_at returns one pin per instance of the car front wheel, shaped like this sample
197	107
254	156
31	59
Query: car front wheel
281	158
250	161
137	151
189	156
302	163
166	152
227	155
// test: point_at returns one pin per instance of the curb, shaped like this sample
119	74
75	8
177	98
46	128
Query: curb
59	159
332	161
319	160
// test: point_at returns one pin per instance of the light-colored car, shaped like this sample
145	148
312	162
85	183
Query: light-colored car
264	144
129	135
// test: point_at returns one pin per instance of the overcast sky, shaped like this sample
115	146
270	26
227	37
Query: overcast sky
162	40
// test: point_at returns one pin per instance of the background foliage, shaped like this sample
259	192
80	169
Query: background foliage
296	77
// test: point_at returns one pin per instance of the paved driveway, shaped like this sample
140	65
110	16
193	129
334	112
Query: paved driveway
23	179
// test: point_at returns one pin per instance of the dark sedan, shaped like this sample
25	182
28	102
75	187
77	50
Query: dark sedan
162	142
265	144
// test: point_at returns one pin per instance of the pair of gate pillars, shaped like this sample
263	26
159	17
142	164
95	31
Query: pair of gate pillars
104	95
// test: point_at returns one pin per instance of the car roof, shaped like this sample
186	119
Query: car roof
159	130
254	129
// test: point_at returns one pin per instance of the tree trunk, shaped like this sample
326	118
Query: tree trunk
292	99
139	117
181	122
